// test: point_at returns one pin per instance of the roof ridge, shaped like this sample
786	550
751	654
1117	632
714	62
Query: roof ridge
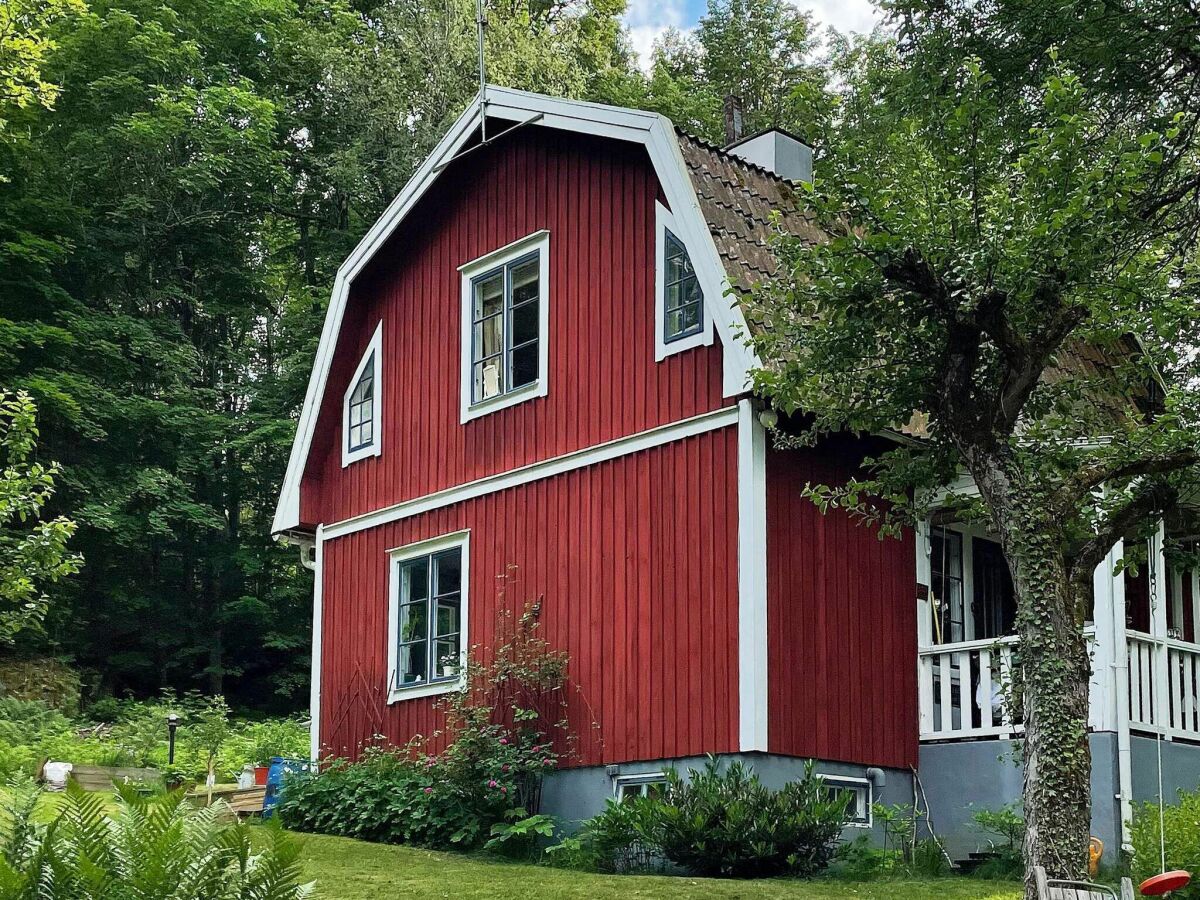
744	163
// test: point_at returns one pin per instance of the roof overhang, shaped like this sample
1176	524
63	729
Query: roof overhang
651	130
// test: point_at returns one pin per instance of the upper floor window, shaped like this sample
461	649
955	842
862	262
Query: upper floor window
505	318
684	304
428	617
361	405
680	319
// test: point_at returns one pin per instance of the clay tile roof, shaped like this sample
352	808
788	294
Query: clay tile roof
738	200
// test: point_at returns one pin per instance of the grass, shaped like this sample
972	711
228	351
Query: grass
345	869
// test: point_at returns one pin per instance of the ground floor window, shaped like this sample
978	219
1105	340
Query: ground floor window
857	794
648	785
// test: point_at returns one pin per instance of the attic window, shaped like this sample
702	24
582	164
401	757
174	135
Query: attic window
361	405
505	326
680	320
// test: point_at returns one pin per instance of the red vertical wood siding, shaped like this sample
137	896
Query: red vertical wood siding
637	561
842	630
596	198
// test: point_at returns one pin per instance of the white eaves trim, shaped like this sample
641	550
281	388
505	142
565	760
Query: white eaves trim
650	130
373	355
663	222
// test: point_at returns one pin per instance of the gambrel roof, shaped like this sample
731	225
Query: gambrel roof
726	237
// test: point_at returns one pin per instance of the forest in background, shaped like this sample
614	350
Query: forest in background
173	207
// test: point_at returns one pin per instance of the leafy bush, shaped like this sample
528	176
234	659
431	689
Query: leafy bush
620	839
719	822
1182	828
156	848
489	774
726	823
1008	825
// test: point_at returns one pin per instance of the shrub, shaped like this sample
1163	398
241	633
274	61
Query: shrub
1008	825
490	773
1182	828
620	839
155	848
726	823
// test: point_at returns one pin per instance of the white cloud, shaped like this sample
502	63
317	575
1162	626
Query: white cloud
648	19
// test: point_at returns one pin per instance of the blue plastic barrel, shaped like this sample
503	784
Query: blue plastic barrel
275	774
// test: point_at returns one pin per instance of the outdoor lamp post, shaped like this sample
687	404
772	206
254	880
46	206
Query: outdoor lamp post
172	724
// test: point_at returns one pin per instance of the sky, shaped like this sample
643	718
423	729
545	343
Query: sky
647	19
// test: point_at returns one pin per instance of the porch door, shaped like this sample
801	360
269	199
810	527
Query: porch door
994	601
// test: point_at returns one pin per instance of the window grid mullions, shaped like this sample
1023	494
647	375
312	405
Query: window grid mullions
507	310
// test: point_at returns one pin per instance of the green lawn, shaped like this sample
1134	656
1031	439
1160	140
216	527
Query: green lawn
353	870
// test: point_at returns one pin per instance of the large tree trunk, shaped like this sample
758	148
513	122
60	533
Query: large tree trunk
1052	679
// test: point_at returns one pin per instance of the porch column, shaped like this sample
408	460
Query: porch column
1158	628
924	626
1110	678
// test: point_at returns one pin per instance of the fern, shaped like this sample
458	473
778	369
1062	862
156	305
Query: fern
153	848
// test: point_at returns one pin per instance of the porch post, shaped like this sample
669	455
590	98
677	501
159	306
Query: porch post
1110	679
1158	628
924	626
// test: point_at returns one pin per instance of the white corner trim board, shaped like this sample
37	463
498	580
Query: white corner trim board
654	132
557	465
752	580
314	696
373	355
664	222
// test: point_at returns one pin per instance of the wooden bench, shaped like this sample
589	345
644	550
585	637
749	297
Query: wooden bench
1056	889
242	802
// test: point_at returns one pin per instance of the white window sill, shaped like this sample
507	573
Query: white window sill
504	401
353	456
432	689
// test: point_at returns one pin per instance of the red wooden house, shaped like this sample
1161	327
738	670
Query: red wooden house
531	371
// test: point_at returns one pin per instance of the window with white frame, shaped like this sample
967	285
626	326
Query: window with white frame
857	795
505	324
428	616
680	321
650	784
361	405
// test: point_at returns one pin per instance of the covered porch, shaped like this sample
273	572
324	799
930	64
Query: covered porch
1142	630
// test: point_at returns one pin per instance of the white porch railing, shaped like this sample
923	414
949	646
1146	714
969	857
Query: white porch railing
1164	686
962	688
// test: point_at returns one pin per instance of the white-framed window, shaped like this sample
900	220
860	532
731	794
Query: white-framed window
362	404
681	321
859	797
427	616
648	784
505	326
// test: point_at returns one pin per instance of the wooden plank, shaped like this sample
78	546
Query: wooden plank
946	724
985	689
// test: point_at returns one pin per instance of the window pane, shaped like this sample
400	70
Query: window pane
524	324
365	434
678	264
447	659
674	318
414	580
364	389
488	379
689	318
413	622
489	337
356	437
674	296
447	619
412	663
524	281
449	572
525	365
489	295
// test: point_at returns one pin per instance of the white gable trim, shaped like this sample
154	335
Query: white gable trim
651	130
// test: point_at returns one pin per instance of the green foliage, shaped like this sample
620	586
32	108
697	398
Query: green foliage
1008	825
489	774
33	550
135	734
517	837
1182	828
720	821
155	848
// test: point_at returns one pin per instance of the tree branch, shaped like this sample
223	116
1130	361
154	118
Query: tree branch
1148	498
1091	477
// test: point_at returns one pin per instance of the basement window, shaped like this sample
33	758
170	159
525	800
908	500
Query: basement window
857	794
680	322
427	619
505	323
651	784
361	405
